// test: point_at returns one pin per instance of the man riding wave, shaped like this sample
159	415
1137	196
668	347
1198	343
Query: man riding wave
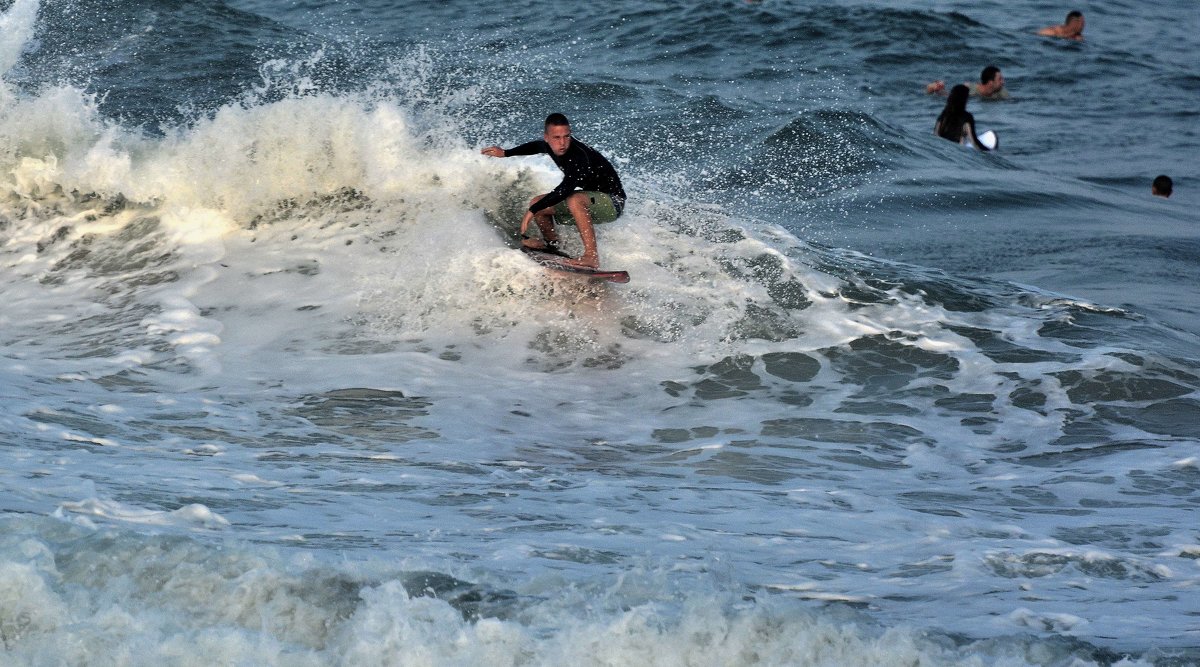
590	191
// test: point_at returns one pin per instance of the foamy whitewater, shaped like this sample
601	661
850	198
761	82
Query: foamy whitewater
278	388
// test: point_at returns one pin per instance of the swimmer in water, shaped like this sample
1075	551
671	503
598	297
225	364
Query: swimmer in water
1072	28
990	86
956	123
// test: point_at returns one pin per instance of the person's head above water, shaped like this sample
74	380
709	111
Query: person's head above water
1162	186
558	133
1073	25
1072	28
991	79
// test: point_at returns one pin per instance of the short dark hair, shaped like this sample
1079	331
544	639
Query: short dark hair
988	73
1162	185
1073	14
557	119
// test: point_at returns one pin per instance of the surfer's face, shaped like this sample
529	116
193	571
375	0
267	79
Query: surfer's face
559	138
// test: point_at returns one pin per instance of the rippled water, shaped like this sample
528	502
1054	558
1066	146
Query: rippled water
279	390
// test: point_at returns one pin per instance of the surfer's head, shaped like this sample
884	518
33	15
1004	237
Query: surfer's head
558	133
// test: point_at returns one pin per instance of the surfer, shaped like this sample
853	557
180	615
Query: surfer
590	191
955	122
1162	186
1072	28
990	86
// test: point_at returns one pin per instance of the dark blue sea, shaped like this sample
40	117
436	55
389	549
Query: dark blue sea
277	387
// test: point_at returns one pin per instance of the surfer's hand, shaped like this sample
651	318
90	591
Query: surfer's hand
493	151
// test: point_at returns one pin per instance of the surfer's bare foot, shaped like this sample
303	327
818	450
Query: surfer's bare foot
584	262
539	244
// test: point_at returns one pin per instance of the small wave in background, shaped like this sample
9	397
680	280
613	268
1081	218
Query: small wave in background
279	388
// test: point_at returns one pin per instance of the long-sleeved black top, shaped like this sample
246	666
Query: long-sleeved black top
583	167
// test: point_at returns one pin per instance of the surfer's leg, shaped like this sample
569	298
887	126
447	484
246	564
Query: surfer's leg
578	204
545	223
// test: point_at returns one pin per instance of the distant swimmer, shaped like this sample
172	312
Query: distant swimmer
955	122
1072	28
990	86
1162	186
590	191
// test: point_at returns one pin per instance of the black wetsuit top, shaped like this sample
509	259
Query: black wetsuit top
583	167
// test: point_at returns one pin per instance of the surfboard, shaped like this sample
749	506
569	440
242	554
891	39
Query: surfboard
990	140
554	261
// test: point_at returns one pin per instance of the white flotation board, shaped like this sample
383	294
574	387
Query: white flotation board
989	140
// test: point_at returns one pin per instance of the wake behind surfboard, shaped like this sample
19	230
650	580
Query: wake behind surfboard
554	261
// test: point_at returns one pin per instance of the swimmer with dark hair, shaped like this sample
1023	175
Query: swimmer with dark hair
990	86
956	123
1072	28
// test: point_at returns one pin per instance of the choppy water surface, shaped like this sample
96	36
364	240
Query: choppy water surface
279	390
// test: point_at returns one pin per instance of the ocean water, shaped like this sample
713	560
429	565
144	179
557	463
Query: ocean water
279	390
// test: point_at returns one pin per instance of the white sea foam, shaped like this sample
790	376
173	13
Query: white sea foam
73	595
191	515
300	323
